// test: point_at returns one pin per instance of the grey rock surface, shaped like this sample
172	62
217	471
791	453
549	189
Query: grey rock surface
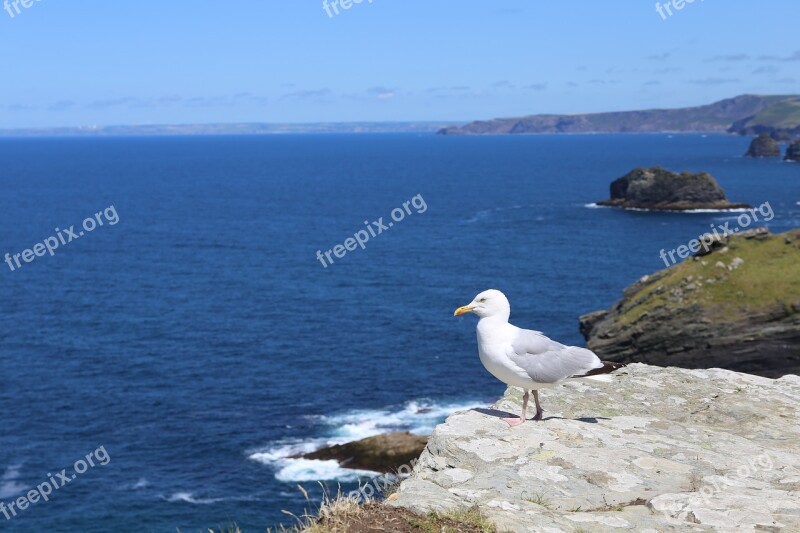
660	449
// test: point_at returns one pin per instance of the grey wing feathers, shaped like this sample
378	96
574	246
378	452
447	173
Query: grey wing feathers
547	361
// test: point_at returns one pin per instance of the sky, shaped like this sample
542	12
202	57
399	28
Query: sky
130	62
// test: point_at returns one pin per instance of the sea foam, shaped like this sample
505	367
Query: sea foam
8	482
732	210
418	417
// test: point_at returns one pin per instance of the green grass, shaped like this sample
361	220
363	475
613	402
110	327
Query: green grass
784	114
541	500
770	276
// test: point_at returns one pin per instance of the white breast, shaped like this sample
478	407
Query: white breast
494	341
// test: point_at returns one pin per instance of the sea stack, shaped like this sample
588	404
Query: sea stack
793	152
658	189
763	146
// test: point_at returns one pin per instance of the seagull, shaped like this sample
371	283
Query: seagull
525	358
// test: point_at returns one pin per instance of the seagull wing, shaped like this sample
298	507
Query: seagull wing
547	361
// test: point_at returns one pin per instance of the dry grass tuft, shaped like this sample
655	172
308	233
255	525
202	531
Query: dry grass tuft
347	514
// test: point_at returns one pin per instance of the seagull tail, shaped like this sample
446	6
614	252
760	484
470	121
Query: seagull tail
602	378
602	374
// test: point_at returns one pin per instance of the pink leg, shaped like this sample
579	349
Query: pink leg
517	421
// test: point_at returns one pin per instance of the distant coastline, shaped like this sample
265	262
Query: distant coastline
255	128
746	114
775	115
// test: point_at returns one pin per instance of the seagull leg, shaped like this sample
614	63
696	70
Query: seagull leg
517	421
539	411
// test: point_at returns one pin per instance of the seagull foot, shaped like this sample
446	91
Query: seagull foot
513	421
538	416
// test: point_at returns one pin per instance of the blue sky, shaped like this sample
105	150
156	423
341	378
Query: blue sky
104	62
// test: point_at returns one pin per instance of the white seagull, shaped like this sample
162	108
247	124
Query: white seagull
525	358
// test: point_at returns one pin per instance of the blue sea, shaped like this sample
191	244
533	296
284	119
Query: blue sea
199	342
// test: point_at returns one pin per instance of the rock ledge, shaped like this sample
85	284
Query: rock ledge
661	449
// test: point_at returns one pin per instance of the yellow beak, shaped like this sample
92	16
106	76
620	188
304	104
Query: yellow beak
463	310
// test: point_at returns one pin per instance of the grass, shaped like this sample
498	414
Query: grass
331	515
784	114
391	488
769	277
541	500
344	514
695	481
450	522
611	507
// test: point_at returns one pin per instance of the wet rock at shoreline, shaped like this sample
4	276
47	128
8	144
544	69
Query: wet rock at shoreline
381	453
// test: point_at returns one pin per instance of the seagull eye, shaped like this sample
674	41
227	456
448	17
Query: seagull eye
482	300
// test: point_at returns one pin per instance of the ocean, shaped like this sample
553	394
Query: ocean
196	338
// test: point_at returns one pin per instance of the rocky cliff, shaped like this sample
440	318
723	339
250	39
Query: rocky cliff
736	307
659	450
659	189
763	146
793	152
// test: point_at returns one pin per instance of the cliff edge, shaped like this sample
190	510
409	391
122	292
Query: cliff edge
737	306
660	449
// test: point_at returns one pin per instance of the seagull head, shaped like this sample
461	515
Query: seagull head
487	304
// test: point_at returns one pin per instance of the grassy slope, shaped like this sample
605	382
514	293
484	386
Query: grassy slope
776	111
769	276
783	111
780	115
